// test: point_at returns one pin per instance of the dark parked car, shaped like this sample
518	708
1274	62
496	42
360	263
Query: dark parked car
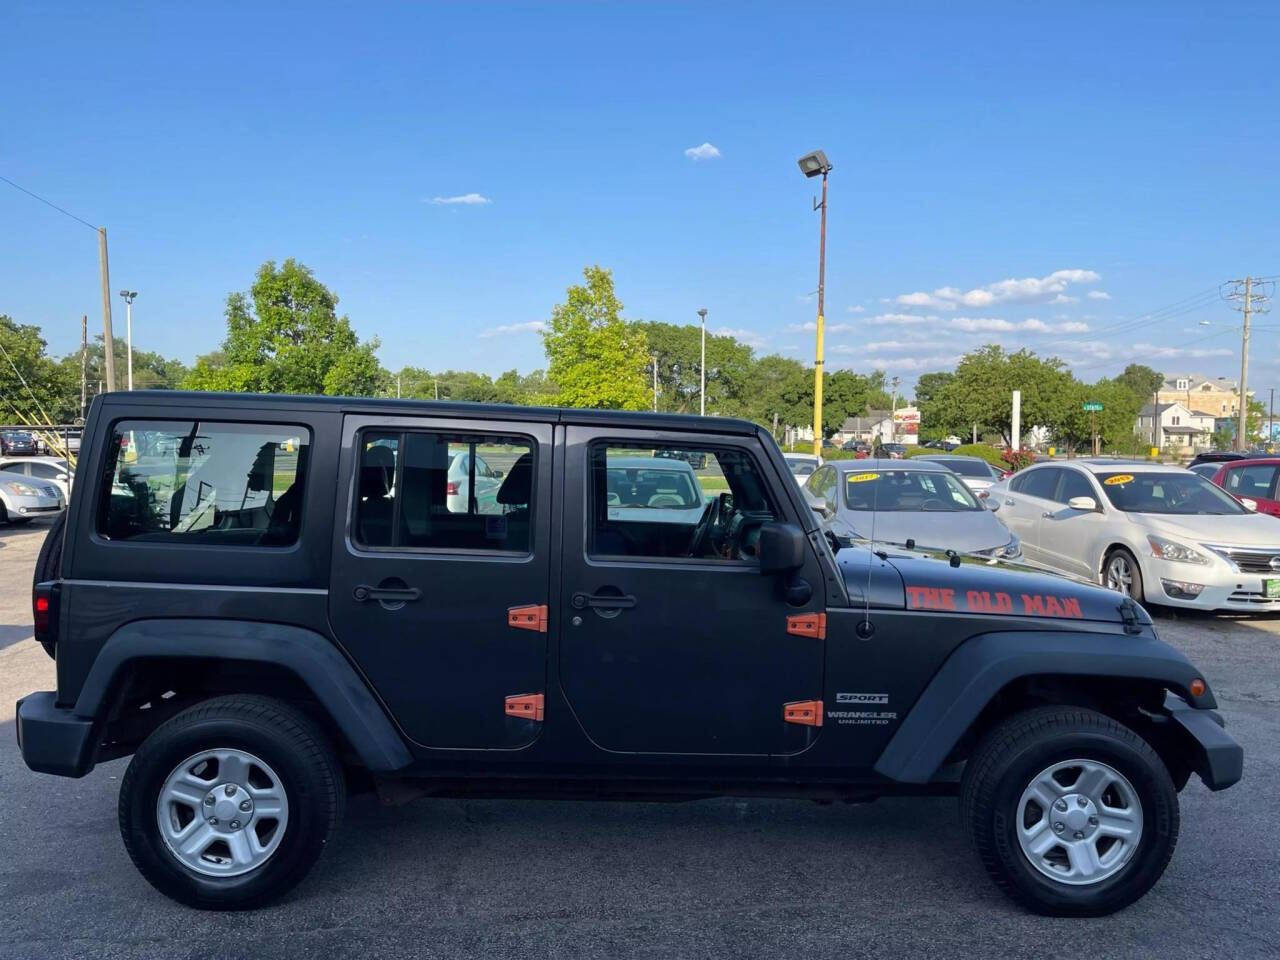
1217	456
18	443
265	599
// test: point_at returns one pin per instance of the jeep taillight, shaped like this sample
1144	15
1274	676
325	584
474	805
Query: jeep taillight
44	611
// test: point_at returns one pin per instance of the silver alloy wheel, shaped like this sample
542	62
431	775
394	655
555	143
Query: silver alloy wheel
1119	574
1079	822
222	812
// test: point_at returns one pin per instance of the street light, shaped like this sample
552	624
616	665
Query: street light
814	165
129	296
702	370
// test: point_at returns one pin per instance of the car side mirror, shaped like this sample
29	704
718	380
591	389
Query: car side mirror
497	474
1082	503
1249	504
782	547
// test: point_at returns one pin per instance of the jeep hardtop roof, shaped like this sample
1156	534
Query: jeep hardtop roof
169	400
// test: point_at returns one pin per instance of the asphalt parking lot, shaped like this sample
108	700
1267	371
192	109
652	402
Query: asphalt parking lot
724	878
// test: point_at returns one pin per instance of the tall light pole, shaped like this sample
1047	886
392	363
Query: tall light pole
702	370
129	296
813	165
893	410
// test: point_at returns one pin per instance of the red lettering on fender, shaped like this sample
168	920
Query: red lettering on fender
1051	606
984	602
930	598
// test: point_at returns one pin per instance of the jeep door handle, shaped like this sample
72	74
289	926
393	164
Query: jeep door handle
1047	515
363	593
581	601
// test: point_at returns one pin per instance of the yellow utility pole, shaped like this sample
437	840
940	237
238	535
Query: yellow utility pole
812	165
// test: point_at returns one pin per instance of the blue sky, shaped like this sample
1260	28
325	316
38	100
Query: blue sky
1114	159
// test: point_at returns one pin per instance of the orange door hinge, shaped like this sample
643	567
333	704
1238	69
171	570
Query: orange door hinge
808	625
807	712
526	705
531	616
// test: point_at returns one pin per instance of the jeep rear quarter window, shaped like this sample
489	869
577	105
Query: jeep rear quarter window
211	483
441	491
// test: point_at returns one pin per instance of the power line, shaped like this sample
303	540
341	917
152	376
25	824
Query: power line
48	203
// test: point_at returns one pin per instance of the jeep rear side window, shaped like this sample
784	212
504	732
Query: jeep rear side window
441	491
692	503
217	484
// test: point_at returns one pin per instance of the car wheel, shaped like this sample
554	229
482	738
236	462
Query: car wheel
1120	572
229	804
1071	813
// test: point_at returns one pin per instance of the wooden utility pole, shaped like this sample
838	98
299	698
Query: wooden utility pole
84	364
1244	365
108	340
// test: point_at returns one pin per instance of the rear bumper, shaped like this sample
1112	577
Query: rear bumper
1215	757
53	739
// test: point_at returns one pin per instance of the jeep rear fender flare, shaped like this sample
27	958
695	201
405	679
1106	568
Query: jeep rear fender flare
315	660
982	666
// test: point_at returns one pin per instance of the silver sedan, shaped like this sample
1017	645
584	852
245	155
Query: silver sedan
23	499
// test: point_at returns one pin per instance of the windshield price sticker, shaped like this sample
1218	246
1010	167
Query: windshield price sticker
1118	479
862	477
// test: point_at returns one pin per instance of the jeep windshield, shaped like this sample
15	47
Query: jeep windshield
1172	493
894	490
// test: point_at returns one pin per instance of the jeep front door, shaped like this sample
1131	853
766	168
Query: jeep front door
672	641
429	565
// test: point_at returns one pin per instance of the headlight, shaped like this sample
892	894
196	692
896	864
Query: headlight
22	490
1172	550
1012	549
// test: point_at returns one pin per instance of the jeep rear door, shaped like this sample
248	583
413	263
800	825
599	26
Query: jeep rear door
439	586
671	646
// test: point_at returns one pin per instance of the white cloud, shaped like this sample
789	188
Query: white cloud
706	151
532	326
1001	325
810	326
1050	289
857	309
1099	295
1073	326
1173	353
912	364
750	337
462	199
901	319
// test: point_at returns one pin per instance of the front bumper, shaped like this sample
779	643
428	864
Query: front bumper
53	739
1223	589
1211	752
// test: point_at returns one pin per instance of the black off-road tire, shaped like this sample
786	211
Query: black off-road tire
283	737
1021	747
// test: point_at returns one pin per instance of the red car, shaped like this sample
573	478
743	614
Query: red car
1252	479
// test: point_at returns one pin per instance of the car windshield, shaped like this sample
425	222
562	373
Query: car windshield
629	487
891	490
967	468
1177	493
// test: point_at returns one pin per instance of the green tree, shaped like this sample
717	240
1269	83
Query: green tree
982	392
844	394
1116	422
778	386
594	356
929	389
679	352
31	384
151	371
1141	380
291	340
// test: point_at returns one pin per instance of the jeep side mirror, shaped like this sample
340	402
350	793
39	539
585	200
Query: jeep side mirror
1082	503
497	474
782	547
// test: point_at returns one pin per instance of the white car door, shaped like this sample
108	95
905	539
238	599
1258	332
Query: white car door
1029	496
1068	536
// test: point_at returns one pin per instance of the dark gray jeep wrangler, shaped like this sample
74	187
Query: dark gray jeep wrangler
268	601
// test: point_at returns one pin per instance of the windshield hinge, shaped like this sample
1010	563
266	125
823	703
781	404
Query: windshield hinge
808	625
531	616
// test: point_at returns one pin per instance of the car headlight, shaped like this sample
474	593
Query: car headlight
1011	550
22	489
1172	550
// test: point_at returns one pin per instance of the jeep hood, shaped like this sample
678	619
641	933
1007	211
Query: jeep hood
922	581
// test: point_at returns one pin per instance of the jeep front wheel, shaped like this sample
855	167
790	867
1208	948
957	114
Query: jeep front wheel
228	804
1072	813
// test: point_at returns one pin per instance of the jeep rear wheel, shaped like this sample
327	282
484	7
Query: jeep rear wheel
230	803
1071	812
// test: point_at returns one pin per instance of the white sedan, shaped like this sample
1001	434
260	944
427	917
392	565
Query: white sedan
1158	533
50	470
802	465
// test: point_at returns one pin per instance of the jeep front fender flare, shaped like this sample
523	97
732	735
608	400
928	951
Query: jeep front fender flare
315	660
981	667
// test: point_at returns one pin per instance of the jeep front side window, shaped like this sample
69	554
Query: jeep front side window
230	484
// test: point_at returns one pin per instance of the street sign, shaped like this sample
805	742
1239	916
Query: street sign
1092	407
